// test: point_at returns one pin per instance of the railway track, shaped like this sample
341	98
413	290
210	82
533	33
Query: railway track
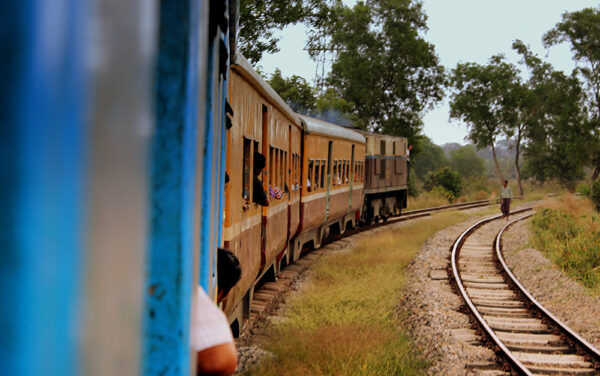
527	339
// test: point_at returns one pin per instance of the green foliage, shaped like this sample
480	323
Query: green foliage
330	106
595	194
382	65
486	98
581	30
427	157
570	242
260	18
584	190
466	161
295	91
449	180
557	132
412	182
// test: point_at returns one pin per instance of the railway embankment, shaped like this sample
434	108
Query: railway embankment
566	297
342	317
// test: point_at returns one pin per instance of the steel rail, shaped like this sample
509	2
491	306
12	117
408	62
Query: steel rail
576	338
512	359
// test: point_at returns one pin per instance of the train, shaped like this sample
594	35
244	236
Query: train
120	122
332	179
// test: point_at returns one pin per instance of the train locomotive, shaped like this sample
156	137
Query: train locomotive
321	179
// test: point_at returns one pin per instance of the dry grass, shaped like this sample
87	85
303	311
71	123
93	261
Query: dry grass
346	320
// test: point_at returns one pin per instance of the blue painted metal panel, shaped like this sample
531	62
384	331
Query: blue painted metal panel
170	259
43	152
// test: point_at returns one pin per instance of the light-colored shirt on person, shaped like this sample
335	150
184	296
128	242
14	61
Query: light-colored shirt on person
506	192
210	326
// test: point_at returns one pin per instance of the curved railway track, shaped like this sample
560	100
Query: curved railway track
527	339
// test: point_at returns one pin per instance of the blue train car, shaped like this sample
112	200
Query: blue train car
112	133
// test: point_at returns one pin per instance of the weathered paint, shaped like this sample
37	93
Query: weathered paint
43	149
173	167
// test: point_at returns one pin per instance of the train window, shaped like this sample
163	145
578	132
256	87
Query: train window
322	182
361	173
352	164
382	147
383	168
247	170
271	164
336	172
347	171
394	147
317	174
347	177
309	177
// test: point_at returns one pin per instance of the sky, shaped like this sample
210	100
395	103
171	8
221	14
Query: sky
461	31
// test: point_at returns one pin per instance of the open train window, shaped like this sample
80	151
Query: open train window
281	168
247	170
271	164
310	177
322	182
317	174
347	175
361	173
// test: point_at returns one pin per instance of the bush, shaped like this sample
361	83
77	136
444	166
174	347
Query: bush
595	194
449	180
584	190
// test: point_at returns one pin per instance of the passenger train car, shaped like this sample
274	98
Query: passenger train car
321	179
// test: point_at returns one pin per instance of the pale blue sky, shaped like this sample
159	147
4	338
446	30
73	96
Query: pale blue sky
462	31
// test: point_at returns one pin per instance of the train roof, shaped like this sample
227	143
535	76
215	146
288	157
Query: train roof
243	66
317	126
367	133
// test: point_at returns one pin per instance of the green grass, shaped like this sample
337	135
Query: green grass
346	322
568	232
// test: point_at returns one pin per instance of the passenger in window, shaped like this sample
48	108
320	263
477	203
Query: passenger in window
259	196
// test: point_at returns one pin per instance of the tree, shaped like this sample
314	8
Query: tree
259	18
446	178
552	106
429	158
383	66
558	139
466	162
582	30
486	100
333	108
295	91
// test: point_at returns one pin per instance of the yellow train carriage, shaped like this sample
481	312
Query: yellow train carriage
258	234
